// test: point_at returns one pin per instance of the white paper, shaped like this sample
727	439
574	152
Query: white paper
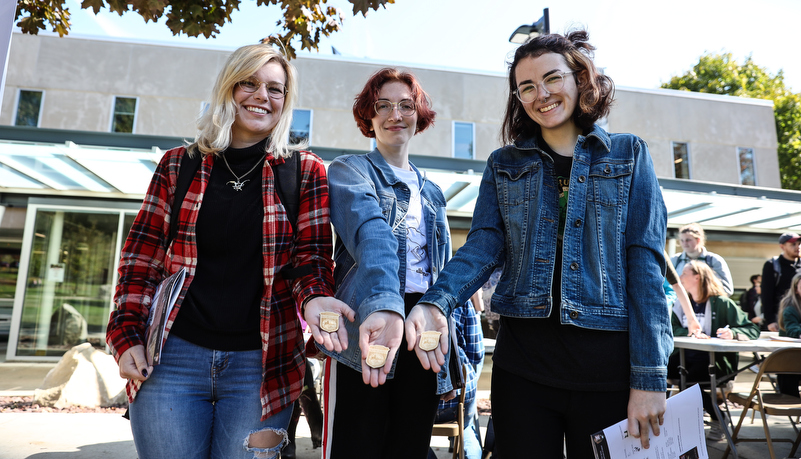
681	435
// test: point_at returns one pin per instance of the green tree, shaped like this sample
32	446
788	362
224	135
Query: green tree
721	74
304	21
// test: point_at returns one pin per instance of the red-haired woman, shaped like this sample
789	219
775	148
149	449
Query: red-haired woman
392	241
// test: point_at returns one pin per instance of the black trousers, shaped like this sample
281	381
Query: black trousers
393	420
697	365
533	420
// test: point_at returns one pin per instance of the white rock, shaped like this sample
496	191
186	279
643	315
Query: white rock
84	376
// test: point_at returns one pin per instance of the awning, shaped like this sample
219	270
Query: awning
117	172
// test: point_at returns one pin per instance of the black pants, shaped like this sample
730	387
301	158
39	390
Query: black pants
393	420
697	365
532	420
788	384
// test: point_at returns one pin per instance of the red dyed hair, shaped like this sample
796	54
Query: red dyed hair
364	104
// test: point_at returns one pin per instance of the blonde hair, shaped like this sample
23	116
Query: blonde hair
790	299
708	282
214	125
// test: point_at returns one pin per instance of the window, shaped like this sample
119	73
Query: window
681	160
746	158
204	107
301	126
124	117
29	108
463	140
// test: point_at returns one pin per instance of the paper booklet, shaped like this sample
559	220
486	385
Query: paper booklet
160	308
681	436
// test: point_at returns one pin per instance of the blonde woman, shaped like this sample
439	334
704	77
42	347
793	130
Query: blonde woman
790	325
233	362
719	317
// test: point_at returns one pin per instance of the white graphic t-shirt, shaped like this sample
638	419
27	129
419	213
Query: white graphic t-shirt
418	266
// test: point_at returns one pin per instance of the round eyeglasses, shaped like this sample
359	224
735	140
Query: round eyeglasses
405	107
274	89
528	92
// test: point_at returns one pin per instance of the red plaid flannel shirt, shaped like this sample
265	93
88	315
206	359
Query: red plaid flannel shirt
145	260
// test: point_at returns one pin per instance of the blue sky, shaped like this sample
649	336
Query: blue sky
640	43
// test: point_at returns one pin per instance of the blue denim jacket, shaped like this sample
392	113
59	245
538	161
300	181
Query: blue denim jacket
612	258
368	210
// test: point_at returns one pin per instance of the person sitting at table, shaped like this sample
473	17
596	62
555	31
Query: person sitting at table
790	326
717	314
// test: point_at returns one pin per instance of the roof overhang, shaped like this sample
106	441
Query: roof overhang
114	171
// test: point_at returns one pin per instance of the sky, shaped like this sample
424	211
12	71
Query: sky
640	43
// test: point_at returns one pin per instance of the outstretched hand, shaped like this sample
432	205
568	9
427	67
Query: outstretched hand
333	341
427	317
383	328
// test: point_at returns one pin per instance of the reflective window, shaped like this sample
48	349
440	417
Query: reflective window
301	126
746	162
463	140
124	114
69	281
29	108
681	160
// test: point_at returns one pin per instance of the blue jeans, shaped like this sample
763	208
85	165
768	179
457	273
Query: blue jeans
472	442
202	403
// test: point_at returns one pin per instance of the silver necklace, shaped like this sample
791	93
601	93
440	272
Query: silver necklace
239	183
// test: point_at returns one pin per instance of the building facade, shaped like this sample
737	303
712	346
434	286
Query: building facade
84	122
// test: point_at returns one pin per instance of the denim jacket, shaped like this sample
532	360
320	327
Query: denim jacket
612	256
368	210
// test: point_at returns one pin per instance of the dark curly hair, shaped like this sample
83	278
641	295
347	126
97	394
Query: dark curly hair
364	104
596	91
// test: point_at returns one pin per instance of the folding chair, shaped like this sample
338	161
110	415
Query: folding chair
455	428
782	361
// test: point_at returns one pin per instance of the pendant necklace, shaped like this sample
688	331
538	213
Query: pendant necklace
239	183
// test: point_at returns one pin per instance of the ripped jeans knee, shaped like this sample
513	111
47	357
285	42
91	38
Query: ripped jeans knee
266	443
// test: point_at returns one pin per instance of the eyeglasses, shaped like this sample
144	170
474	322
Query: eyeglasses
274	89
405	107
553	83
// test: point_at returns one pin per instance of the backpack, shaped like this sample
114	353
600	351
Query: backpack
288	189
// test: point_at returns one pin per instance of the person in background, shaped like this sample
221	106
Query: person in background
392	242
750	301
777	274
233	361
693	240
790	326
576	218
470	340
679	294
720	317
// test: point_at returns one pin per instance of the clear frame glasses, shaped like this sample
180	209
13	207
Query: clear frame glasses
405	107
274	89
552	83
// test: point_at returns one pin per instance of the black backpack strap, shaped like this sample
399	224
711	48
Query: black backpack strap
777	269
287	185
186	172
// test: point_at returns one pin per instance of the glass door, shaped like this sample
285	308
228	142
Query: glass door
70	271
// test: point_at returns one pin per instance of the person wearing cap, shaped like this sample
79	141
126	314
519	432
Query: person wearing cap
777	274
693	240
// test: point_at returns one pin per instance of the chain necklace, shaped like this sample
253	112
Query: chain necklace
239	183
